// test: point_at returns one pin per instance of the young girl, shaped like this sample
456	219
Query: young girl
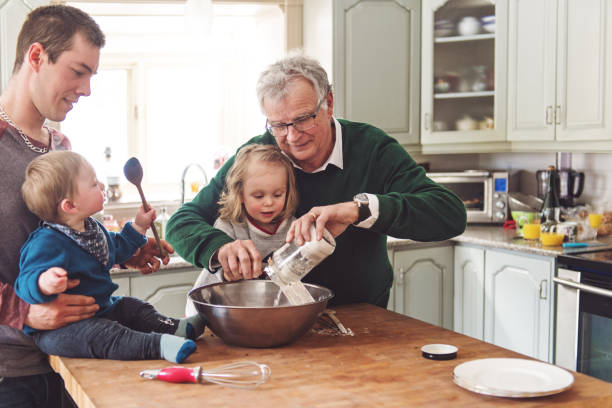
72	252
257	204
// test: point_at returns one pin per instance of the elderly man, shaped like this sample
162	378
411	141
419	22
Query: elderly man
352	178
58	51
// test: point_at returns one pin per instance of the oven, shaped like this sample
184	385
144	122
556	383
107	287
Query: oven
583	322
484	193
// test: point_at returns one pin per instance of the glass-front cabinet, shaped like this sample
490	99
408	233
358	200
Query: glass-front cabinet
463	86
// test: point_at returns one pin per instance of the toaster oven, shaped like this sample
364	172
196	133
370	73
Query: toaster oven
483	192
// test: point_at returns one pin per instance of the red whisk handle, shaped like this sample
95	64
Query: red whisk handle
179	374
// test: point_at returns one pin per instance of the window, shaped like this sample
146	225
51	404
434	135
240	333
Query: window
171	95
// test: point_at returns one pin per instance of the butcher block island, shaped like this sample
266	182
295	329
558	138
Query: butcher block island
379	366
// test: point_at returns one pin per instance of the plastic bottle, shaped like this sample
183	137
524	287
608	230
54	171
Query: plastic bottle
161	221
551	209
113	190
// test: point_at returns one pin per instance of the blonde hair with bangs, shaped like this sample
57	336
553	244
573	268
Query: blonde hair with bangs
49	179
231	198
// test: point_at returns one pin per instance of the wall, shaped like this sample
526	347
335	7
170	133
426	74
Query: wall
596	167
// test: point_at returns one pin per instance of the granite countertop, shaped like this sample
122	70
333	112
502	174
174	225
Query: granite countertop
497	237
487	236
175	262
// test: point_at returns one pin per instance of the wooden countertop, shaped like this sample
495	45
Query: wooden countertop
381	365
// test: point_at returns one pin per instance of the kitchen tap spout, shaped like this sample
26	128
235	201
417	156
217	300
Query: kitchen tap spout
197	166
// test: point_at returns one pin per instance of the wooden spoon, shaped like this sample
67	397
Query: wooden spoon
133	172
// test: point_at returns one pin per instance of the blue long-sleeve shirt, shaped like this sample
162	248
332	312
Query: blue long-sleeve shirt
47	248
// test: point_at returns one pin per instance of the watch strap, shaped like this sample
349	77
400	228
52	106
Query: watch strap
363	208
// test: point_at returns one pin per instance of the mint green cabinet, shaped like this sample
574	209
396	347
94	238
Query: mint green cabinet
504	297
560	74
469	291
371	50
423	283
166	289
463	81
124	286
517	306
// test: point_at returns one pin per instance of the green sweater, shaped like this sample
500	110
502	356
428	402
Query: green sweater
410	205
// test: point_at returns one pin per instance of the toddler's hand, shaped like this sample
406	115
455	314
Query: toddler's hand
55	280
144	219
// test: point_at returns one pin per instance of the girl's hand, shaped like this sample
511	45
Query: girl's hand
240	260
55	280
144	219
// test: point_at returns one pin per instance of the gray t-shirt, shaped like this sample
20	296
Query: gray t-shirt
264	242
19	355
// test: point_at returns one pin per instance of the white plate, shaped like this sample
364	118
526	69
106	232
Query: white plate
512	377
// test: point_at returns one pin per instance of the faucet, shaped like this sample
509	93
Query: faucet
183	179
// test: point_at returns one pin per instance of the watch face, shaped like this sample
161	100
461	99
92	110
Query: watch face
362	198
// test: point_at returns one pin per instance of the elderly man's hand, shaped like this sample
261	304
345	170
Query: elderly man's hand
61	311
240	260
147	258
336	218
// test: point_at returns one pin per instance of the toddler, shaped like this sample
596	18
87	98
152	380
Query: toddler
257	203
72	252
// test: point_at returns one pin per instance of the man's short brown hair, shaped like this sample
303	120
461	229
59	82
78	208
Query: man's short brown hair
54	28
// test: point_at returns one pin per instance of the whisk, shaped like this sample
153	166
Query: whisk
242	374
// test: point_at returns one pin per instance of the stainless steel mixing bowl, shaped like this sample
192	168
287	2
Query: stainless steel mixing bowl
255	313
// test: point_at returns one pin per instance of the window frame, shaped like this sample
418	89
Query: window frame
136	66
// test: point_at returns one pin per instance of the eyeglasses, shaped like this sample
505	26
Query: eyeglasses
301	124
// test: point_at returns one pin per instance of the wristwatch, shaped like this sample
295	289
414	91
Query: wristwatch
363	204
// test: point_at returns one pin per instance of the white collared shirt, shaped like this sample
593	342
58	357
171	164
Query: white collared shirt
337	160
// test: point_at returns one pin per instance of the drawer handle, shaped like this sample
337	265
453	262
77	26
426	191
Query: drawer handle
544	289
549	115
558	115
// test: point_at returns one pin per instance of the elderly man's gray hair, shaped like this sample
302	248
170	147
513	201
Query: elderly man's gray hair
275	80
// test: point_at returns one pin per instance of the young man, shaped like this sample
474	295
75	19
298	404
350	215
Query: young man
58	51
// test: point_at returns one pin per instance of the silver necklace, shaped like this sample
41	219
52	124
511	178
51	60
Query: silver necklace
26	140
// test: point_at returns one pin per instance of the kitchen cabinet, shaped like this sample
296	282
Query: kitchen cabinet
469	291
423	284
166	289
463	88
504	297
517	302
371	49
12	16
124	286
560	72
